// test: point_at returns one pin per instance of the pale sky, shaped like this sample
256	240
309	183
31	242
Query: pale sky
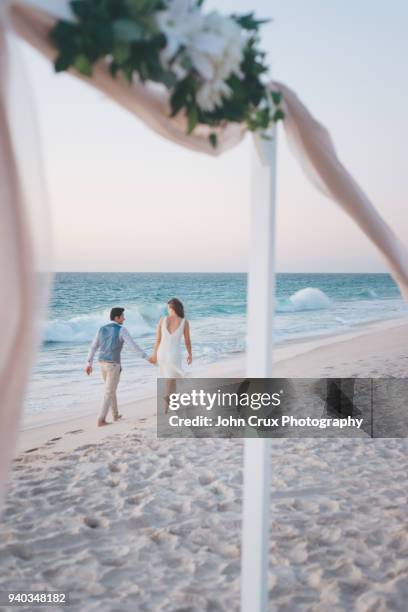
123	199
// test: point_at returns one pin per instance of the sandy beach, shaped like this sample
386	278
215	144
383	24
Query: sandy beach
123	521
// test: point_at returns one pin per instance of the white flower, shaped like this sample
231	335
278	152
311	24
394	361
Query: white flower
178	23
217	54
212	44
210	94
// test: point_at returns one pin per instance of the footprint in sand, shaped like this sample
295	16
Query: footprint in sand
93	522
165	474
21	551
111	482
206	477
112	561
39	491
135	500
113	467
86	447
75	431
32	450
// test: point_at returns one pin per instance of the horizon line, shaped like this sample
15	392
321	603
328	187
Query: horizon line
199	272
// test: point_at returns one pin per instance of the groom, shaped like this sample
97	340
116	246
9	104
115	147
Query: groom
110	339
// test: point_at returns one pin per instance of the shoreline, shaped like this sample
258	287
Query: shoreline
233	365
329	356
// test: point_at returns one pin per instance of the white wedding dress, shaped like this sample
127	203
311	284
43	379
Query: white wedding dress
169	351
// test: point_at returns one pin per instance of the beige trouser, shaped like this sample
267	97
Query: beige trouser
111	376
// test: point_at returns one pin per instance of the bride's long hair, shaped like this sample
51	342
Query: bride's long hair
177	306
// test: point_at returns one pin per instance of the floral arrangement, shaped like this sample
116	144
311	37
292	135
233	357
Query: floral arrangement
210	63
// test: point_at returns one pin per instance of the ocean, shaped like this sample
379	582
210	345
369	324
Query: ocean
306	305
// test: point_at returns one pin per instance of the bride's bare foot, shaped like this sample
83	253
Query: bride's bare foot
102	423
118	417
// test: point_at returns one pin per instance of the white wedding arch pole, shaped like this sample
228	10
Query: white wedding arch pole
260	317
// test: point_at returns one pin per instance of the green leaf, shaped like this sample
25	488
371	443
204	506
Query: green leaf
143	7
144	71
248	21
149	26
121	52
279	115
128	72
81	9
192	118
126	30
213	139
63	62
101	36
176	103
179	96
262	118
167	77
276	97
63	33
83	65
186	62
113	69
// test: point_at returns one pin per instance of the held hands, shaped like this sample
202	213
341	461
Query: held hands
88	369
152	359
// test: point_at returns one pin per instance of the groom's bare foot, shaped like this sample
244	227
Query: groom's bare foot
118	417
102	423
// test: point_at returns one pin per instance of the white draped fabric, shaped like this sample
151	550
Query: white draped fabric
24	239
311	144
22	198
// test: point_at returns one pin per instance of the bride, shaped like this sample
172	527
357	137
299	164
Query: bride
167	348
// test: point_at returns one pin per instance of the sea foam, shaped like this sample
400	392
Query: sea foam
309	298
84	327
